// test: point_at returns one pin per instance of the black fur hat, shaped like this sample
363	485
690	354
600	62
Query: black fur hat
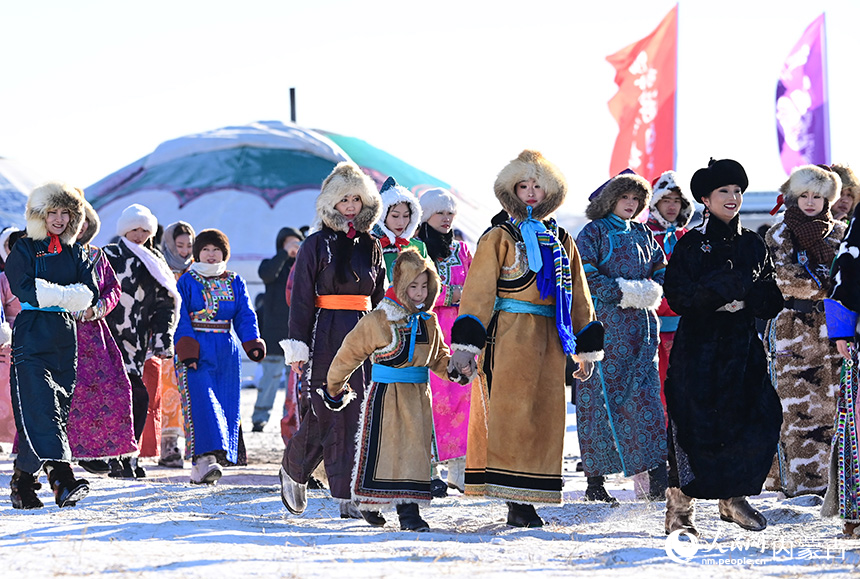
717	174
214	237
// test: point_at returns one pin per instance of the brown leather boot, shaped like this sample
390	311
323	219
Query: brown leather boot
738	510
679	512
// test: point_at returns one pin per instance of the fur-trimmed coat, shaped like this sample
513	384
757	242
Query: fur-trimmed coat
143	320
804	367
724	414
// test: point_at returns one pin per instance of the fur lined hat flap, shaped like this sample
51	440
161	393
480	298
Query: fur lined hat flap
348	179
436	200
393	194
93	224
604	202
666	183
55	195
717	174
409	265
810	179
134	216
530	165
211	237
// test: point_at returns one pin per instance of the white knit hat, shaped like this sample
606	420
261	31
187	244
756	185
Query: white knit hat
135	216
436	200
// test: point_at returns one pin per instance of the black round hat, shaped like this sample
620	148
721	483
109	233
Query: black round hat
717	174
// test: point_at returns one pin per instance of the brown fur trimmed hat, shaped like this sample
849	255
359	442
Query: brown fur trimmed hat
55	195
810	179
409	265
849	180
93	224
348	179
530	165
604	202
214	237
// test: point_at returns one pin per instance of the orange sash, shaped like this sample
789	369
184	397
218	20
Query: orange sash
343	302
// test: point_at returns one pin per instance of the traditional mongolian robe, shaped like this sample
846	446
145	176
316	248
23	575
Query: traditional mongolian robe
44	349
325	306
450	400
804	364
843	493
11	307
392	462
517	418
100	424
210	394
619	416
724	414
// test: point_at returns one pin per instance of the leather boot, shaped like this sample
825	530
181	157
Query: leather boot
410	518
24	486
294	495
658	481
205	470
523	515
679	512
373	518
595	491
349	510
738	510
67	489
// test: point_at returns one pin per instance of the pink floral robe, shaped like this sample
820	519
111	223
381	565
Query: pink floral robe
11	307
100	421
450	400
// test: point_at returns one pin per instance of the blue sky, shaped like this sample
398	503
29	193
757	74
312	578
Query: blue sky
457	88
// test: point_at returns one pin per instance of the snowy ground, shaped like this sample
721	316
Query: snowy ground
164	527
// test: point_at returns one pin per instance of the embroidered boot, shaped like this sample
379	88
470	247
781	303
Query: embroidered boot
67	489
679	512
205	470
24	486
738	510
171	456
293	495
410	518
523	515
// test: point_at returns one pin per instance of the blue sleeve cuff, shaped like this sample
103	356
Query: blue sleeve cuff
841	322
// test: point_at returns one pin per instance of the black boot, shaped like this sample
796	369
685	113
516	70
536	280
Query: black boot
658	482
121	468
95	466
438	488
523	515
24	486
137	468
373	518
595	491
410	518
67	489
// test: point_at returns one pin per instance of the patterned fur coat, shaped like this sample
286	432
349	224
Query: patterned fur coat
143	319
804	368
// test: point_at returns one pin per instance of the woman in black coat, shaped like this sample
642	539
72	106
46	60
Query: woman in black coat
724	414
52	277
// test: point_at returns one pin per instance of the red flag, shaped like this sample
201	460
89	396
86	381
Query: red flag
644	106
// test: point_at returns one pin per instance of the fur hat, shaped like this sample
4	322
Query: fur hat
55	195
211	237
810	179
530	165
348	179
135	216
604	202
849	180
93	224
4	237
717	174
665	183
409	265
435	201
393	194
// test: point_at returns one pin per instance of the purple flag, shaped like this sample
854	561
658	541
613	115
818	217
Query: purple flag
802	120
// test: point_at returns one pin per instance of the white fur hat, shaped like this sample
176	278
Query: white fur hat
436	200
393	194
663	184
135	216
4	237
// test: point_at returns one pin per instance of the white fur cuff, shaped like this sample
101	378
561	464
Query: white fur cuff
643	294
5	334
48	294
295	351
589	356
76	297
467	348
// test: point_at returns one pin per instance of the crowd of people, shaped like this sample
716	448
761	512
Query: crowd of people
402	351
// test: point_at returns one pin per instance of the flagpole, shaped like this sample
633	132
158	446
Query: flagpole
826	89
675	104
